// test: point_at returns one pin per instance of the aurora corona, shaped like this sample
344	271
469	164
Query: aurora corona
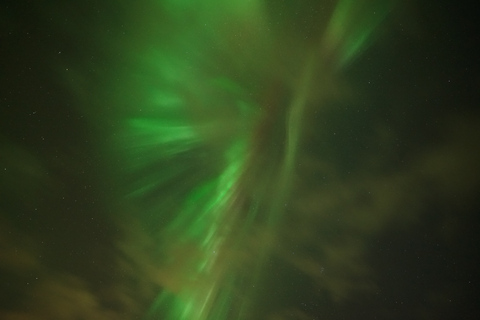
210	136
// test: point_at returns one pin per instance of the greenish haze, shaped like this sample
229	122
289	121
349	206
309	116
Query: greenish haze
199	123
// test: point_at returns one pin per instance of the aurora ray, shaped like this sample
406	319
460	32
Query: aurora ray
209	140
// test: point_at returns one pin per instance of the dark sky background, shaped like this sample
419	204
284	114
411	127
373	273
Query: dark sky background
384	221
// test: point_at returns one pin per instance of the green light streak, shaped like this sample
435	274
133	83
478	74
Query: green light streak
191	137
352	25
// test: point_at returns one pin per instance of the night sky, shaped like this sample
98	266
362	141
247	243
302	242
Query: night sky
210	160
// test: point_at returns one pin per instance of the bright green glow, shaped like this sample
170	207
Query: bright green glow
197	137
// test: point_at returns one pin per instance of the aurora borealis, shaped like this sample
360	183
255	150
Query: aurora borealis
210	160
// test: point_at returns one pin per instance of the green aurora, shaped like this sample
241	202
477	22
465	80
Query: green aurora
244	160
226	151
